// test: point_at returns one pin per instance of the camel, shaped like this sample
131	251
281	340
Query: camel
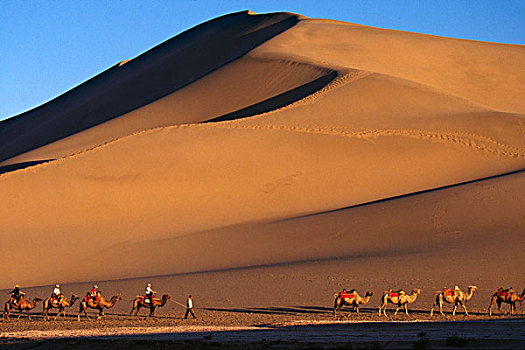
453	296
139	303
508	296
61	306
350	298
99	305
23	305
400	298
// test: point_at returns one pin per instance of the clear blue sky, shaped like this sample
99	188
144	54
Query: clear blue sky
48	47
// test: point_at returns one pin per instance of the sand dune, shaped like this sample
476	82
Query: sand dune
299	141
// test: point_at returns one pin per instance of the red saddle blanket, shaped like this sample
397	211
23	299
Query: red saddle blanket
145	300
346	295
503	294
89	297
448	292
395	294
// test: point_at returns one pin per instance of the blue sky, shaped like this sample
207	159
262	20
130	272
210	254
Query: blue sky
48	47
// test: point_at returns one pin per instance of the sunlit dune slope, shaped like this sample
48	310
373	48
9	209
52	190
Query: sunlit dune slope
265	149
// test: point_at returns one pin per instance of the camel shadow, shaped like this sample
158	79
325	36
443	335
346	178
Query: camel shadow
291	310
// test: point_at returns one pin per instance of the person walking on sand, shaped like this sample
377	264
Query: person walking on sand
189	307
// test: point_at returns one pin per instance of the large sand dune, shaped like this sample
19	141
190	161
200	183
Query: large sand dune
276	143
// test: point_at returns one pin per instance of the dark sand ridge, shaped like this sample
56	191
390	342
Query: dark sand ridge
153	75
241	88
236	194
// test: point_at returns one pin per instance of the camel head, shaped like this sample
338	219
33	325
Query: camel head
368	294
36	300
416	291
166	296
472	288
116	298
74	297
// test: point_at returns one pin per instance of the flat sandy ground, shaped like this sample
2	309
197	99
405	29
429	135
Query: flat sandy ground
286	306
292	327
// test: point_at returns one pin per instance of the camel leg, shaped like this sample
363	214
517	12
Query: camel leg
406	309
492	302
454	310
441	307
397	309
382	306
465	308
137	311
499	306
58	314
83	308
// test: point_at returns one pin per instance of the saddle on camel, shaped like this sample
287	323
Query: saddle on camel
345	294
449	292
93	295
396	293
505	293
146	299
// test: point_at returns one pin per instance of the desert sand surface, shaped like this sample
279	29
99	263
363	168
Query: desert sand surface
263	163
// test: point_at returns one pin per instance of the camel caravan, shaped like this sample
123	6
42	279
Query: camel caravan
93	300
351	298
400	299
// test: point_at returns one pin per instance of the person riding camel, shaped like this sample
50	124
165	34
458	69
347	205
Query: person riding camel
57	294
150	294
16	296
93	293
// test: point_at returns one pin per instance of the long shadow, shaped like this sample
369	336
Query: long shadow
21	165
293	310
401	196
278	101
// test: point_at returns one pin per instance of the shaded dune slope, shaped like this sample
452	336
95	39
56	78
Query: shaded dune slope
241	88
160	71
339	116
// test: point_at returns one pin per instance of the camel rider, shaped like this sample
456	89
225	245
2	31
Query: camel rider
57	294
93	292
150	294
16	295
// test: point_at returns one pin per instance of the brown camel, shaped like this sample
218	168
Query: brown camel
139	303
99	305
23	305
351	298
508	296
400	298
453	296
60	305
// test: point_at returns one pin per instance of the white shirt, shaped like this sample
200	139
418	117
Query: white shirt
56	291
148	290
190	303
